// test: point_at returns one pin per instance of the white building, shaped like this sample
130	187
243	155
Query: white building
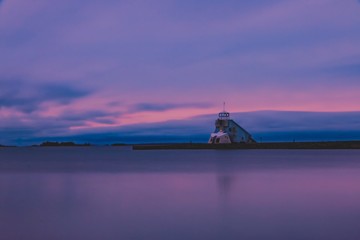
228	131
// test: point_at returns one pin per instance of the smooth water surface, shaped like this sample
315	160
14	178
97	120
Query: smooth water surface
116	193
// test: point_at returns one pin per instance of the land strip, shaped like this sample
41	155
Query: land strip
270	145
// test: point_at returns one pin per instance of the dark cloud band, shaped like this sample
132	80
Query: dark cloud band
27	97
160	107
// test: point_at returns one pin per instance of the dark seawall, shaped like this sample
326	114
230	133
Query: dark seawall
273	145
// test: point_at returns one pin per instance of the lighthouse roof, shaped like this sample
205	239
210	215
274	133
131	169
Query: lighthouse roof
224	115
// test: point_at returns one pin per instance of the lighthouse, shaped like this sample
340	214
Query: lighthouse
228	131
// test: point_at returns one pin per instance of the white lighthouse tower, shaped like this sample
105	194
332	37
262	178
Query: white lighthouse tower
228	131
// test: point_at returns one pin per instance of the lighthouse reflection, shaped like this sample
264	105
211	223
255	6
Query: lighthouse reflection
226	178
225	182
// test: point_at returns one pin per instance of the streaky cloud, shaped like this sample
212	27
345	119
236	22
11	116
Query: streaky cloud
345	70
139	50
264	126
17	131
28	96
61	93
160	107
96	116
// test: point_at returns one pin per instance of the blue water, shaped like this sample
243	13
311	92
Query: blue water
116	193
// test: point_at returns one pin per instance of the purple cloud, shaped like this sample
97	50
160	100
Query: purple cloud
28	97
160	107
345	70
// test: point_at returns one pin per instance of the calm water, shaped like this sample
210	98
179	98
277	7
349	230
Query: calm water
117	193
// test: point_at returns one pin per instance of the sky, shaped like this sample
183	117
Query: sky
75	67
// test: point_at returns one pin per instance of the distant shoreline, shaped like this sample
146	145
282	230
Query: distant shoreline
270	145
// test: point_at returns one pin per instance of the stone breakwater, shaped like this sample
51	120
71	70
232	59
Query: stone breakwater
270	145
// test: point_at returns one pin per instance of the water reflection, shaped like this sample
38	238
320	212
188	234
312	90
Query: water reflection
223	202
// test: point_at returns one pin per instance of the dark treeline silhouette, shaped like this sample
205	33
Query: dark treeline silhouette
63	144
5	146
119	144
